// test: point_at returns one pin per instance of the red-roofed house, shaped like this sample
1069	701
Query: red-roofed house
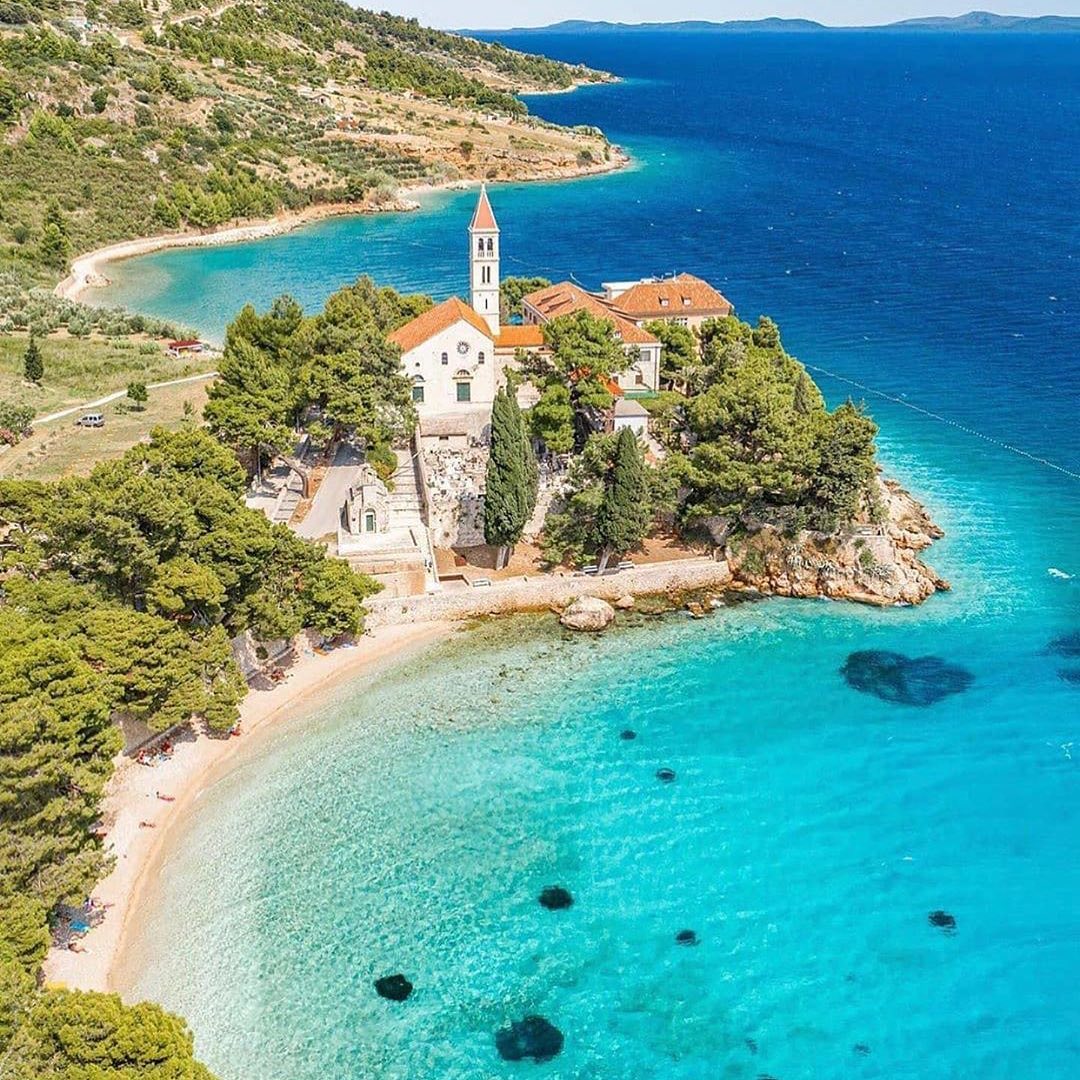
683	299
642	347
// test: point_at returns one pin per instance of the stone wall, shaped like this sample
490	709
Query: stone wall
548	591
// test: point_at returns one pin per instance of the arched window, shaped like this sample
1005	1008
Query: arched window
491	246
418	390
369	521
446	358
480	246
480	358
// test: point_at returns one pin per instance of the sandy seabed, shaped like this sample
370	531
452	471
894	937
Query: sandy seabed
143	823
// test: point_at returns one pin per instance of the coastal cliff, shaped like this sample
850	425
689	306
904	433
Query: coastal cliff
875	561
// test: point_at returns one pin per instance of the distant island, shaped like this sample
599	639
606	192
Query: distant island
972	22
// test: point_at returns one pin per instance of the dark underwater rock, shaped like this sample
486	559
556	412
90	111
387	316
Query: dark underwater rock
904	680
555	898
943	921
627	734
1070	675
751	1045
665	776
533	1037
393	987
1066	645
686	937
861	1049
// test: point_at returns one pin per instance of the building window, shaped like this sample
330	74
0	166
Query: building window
464	391
369	521
418	393
480	358
682	321
480	246
446	358
491	246
663	301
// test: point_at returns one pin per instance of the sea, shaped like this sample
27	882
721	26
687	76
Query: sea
873	825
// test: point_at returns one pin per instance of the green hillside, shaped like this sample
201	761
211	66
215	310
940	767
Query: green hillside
121	119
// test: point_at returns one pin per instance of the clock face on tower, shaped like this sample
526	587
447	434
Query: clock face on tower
462	347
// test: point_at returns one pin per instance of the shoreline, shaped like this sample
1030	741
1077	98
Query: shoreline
86	273
197	762
397	629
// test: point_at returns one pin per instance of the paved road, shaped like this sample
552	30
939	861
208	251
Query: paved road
325	512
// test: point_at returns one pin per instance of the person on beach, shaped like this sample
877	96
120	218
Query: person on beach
147	825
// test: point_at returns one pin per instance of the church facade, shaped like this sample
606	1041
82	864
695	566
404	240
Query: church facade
455	354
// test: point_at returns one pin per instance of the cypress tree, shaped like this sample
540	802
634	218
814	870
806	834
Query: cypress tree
623	516
33	365
530	471
506	483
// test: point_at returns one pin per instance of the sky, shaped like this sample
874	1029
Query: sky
497	14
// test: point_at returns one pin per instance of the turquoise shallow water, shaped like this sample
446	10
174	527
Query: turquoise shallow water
907	209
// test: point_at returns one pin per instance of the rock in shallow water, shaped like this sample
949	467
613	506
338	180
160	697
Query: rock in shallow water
533	1037
588	613
393	987
1066	645
904	680
555	898
627	734
686	937
665	776
942	920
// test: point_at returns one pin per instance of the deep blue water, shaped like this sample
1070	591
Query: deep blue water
907	208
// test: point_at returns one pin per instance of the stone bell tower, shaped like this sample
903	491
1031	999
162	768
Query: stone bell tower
484	262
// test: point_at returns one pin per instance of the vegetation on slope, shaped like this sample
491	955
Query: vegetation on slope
749	440
130	118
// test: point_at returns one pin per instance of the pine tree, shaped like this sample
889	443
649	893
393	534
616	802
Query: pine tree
623	516
33	365
506	502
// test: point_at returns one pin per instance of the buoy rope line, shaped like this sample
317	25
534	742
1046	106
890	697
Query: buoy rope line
1019	451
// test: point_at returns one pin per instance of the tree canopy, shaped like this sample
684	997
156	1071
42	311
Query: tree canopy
582	356
608	503
336	373
765	441
511	484
119	593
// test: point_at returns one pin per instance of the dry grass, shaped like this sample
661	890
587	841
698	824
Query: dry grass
82	369
64	449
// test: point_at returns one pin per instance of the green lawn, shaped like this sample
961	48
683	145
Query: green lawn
82	369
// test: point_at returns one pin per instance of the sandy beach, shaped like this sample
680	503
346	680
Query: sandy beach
196	762
88	271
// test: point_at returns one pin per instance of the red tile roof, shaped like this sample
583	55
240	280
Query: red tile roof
434	321
566	297
483	218
520	337
682	295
